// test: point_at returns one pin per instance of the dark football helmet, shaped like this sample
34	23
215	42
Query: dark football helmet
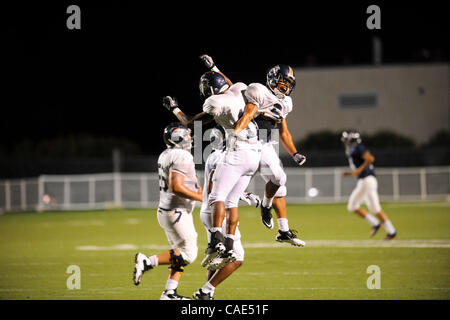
212	83
177	136
351	136
281	80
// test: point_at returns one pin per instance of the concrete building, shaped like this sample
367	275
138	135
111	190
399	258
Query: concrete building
413	100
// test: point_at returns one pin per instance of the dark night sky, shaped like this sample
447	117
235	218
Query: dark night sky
109	77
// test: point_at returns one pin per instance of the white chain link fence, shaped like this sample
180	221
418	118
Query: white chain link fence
141	190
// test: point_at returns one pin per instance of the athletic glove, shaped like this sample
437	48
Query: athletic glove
209	63
251	198
299	158
170	103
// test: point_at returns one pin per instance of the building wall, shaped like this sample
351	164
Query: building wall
411	99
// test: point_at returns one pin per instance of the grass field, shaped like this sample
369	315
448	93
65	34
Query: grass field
37	248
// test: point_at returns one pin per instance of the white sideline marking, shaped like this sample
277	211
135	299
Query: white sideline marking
445	243
362	244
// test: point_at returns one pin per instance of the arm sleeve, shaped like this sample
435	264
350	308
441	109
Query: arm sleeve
361	149
253	95
182	163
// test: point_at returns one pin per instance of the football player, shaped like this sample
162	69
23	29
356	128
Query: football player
361	162
178	193
215	277
271	104
225	104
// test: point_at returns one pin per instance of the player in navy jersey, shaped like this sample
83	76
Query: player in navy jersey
361	162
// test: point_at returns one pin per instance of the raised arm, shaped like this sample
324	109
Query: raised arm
209	63
171	104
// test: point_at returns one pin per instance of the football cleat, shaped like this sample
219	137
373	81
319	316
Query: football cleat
172	295
291	237
200	295
390	236
140	267
375	229
220	261
212	252
266	217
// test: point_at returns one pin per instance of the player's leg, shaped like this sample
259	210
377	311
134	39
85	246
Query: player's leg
373	203
180	231
285	234
229	176
273	174
225	178
231	224
354	205
215	277
183	238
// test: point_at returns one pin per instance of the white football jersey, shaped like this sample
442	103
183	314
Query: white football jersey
227	108
210	165
268	104
182	162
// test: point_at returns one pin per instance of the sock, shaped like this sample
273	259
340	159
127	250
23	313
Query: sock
215	229
283	224
231	236
372	220
208	288
389	227
171	284
153	260
267	202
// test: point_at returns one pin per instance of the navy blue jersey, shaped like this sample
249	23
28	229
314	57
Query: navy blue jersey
355	159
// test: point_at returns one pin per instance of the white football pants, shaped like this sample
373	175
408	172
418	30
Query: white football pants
366	191
180	231
233	175
271	168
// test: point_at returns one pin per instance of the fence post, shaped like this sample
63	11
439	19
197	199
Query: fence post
117	189
7	196
40	204
91	192
23	194
66	203
395	184
308	183
423	184
144	191
337	184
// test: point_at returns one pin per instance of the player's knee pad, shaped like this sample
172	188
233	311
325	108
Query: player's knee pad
177	262
281	192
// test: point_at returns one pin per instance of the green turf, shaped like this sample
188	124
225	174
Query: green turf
37	248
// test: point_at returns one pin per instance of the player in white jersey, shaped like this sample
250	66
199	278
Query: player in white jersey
225	268
178	193
273	104
225	103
